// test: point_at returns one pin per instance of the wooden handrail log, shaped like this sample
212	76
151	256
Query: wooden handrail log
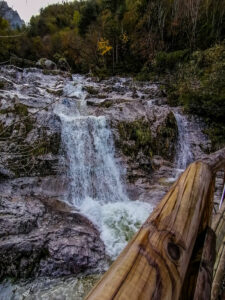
215	161
155	262
218	225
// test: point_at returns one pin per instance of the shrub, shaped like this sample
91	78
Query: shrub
168	61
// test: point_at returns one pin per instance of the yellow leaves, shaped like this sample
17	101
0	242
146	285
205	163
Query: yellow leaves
104	47
76	18
124	38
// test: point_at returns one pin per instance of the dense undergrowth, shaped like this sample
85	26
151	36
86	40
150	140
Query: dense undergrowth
179	42
197	82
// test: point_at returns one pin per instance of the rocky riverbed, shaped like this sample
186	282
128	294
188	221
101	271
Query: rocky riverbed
57	217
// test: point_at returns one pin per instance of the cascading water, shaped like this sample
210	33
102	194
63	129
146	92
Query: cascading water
96	188
184	155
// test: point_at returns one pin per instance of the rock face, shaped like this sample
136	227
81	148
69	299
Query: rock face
146	134
39	234
10	15
30	133
43	240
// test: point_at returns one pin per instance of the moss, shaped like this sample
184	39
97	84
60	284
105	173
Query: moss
135	136
164	144
21	109
26	159
137	142
47	145
51	72
2	85
107	104
5	131
91	90
55	92
29	124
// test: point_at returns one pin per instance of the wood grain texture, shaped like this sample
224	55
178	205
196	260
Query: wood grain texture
205	275
154	263
215	161
218	226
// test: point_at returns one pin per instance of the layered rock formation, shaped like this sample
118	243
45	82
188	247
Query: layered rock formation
40	234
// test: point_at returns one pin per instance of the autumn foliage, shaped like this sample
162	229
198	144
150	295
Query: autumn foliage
120	36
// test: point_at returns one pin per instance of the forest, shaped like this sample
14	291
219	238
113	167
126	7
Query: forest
112	150
177	42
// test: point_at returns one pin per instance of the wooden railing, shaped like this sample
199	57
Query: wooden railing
172	256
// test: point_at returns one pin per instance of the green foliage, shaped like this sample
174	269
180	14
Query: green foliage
141	33
198	85
180	41
168	61
89	13
21	109
2	85
140	133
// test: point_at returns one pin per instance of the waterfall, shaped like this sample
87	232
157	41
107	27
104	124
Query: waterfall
184	155
90	150
96	188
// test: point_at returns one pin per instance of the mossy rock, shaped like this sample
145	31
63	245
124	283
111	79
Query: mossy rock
91	90
2	85
27	159
21	109
165	142
5	131
137	142
55	92
135	136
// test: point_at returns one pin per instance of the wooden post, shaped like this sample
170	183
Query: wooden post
154	263
219	268
205	275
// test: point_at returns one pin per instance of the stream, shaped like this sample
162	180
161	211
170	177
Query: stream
96	188
97	179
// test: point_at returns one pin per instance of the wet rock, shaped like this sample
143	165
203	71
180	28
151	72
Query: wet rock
30	143
36	239
30	133
144	136
40	234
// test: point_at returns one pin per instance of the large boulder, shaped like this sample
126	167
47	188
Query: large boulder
46	64
45	240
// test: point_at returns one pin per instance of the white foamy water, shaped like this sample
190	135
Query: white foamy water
184	155
117	221
96	188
